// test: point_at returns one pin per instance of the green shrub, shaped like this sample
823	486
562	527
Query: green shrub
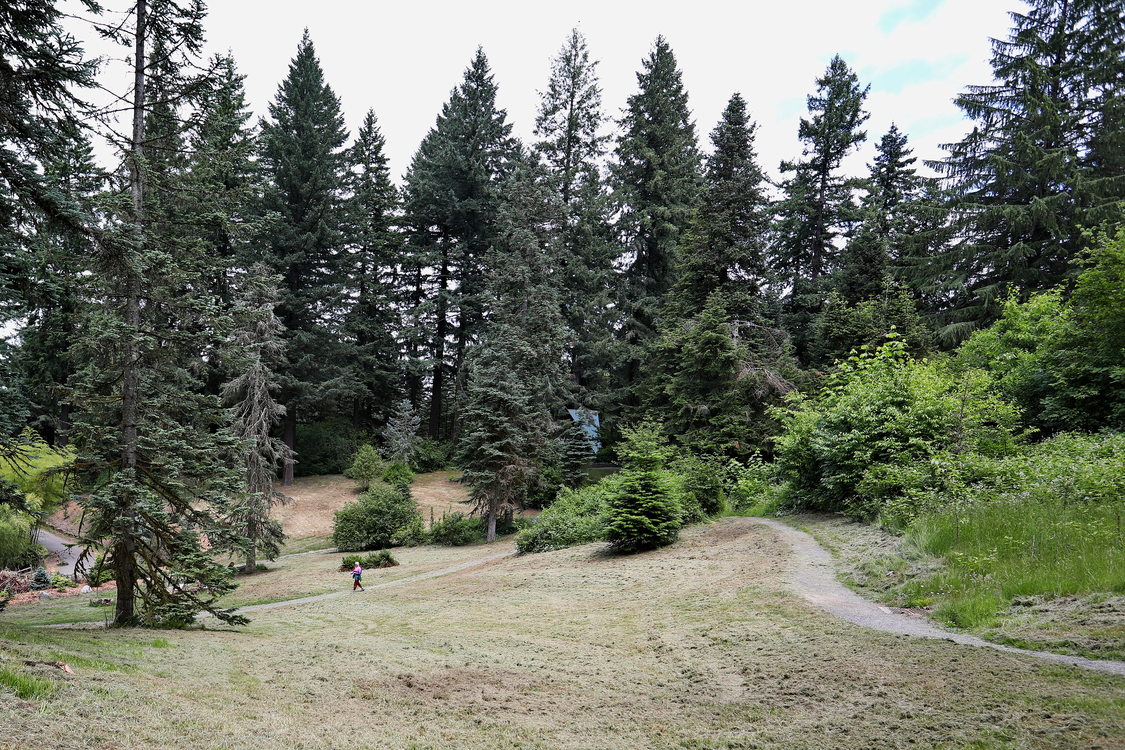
99	573
16	548
752	487
398	475
576	517
856	447
429	455
456	530
366	466
325	447
381	559
545	487
644	513
704	479
381	517
62	582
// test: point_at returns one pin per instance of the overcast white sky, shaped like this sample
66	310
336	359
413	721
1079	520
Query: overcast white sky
402	58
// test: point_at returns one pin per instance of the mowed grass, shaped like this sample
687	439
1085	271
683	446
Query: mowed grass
694	646
996	552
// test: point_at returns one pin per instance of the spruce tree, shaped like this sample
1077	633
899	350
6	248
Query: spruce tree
725	251
400	434
656	187
643	514
151	445
571	142
302	154
450	209
1043	161
374	249
258	350
817	206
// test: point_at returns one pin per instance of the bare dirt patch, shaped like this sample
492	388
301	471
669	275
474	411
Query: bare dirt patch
315	500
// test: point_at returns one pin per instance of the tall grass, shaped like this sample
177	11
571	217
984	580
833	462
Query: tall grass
1000	550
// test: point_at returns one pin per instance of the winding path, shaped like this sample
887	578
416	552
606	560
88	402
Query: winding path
813	578
67	553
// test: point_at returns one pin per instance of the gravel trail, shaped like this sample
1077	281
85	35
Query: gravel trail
813	577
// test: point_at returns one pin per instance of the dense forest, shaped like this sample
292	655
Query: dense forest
244	298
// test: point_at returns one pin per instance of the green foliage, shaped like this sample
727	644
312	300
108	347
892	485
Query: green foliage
398	475
41	580
578	516
644	514
381	559
381	517
1062	361
26	686
325	447
429	455
752	487
99	573
704	480
16	547
366	467
881	416
456	530
1046	522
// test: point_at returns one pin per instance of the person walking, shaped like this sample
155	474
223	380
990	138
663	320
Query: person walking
357	576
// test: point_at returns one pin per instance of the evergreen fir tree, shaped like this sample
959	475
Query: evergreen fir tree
1043	161
725	251
656	187
258	352
817	206
151	446
450	208
302	155
401	432
375	249
572	145
644	514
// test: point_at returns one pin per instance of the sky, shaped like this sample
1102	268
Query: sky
403	58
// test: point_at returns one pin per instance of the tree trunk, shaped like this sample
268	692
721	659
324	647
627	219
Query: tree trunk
289	437
437	404
125	549
490	535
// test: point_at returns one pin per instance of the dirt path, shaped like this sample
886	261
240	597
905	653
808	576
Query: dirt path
67	553
813	577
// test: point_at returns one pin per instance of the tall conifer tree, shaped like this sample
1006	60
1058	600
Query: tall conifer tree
656	187
1043	161
302	154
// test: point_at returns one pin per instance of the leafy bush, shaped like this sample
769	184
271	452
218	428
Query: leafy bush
381	517
644	514
881	427
398	475
429	455
752	487
99	573
366	467
703	480
545	487
325	447
576	517
456	530
381	559
62	582
16	548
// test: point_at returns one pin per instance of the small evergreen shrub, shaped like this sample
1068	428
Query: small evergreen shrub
366	467
381	559
398	475
41	580
456	530
645	513
381	517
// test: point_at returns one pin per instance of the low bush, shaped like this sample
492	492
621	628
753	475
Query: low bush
704	480
41	580
381	517
398	475
381	559
576	517
99	573
752	487
456	530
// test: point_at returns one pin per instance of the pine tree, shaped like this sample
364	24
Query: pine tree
374	247
1043	161
258	351
656	187
725	251
401	432
644	514
571	143
302	155
150	443
450	205
817	206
